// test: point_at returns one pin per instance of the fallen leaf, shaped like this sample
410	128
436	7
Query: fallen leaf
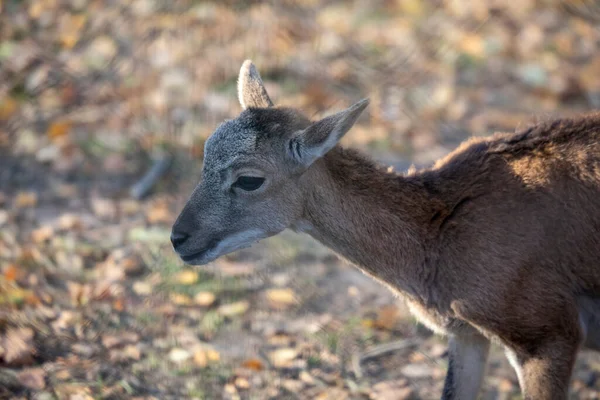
80	294
242	383
42	234
159	212
421	370
109	341
281	358
236	269
142	288
233	309
26	199
33	378
292	385
104	208
18	346
231	390
11	273
473	45
387	317
253	364
181	299
69	222
58	129
8	107
307	378
129	352
506	385
186	277
213	355
200	358
204	299
332	394
178	355
72	32
132	265
3	217
392	390
281	298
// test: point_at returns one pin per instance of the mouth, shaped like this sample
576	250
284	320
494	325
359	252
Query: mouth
218	248
191	257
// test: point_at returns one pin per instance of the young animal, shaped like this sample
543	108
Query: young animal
500	240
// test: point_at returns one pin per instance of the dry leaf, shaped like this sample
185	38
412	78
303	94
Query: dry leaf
181	299
3	217
228	268
200	358
42	234
282	358
473	45
387	317
281	298
18	346
242	383
506	385
213	355
26	199
204	299
233	309
11	272
110	341
72	33
292	385
186	277
178	355
80	294
332	394
253	364
58	129
142	288
159	213
104	208
69	221
129	352
33	378
8	107
392	390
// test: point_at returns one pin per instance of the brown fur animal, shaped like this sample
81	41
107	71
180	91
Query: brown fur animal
499	241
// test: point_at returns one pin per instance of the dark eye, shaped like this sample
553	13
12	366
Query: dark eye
249	183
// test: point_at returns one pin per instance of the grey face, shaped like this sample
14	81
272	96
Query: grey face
247	192
251	185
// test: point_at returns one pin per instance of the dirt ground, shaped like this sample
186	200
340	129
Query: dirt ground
97	94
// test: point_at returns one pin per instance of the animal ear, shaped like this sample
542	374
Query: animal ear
321	136
251	90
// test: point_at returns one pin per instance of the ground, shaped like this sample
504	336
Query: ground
104	110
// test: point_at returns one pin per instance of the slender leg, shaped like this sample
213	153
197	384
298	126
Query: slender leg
467	356
546	374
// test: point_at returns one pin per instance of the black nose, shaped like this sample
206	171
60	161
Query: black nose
178	238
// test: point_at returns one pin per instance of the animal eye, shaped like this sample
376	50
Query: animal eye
248	183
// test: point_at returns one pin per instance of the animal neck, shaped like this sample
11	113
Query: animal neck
376	219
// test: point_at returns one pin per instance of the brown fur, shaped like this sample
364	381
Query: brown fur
499	241
501	237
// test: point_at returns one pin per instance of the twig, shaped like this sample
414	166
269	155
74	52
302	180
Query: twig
358	358
158	169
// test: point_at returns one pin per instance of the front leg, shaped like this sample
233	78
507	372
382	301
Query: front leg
467	356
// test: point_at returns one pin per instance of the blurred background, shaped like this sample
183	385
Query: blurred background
104	110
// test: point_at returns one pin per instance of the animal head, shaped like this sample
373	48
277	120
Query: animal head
252	184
